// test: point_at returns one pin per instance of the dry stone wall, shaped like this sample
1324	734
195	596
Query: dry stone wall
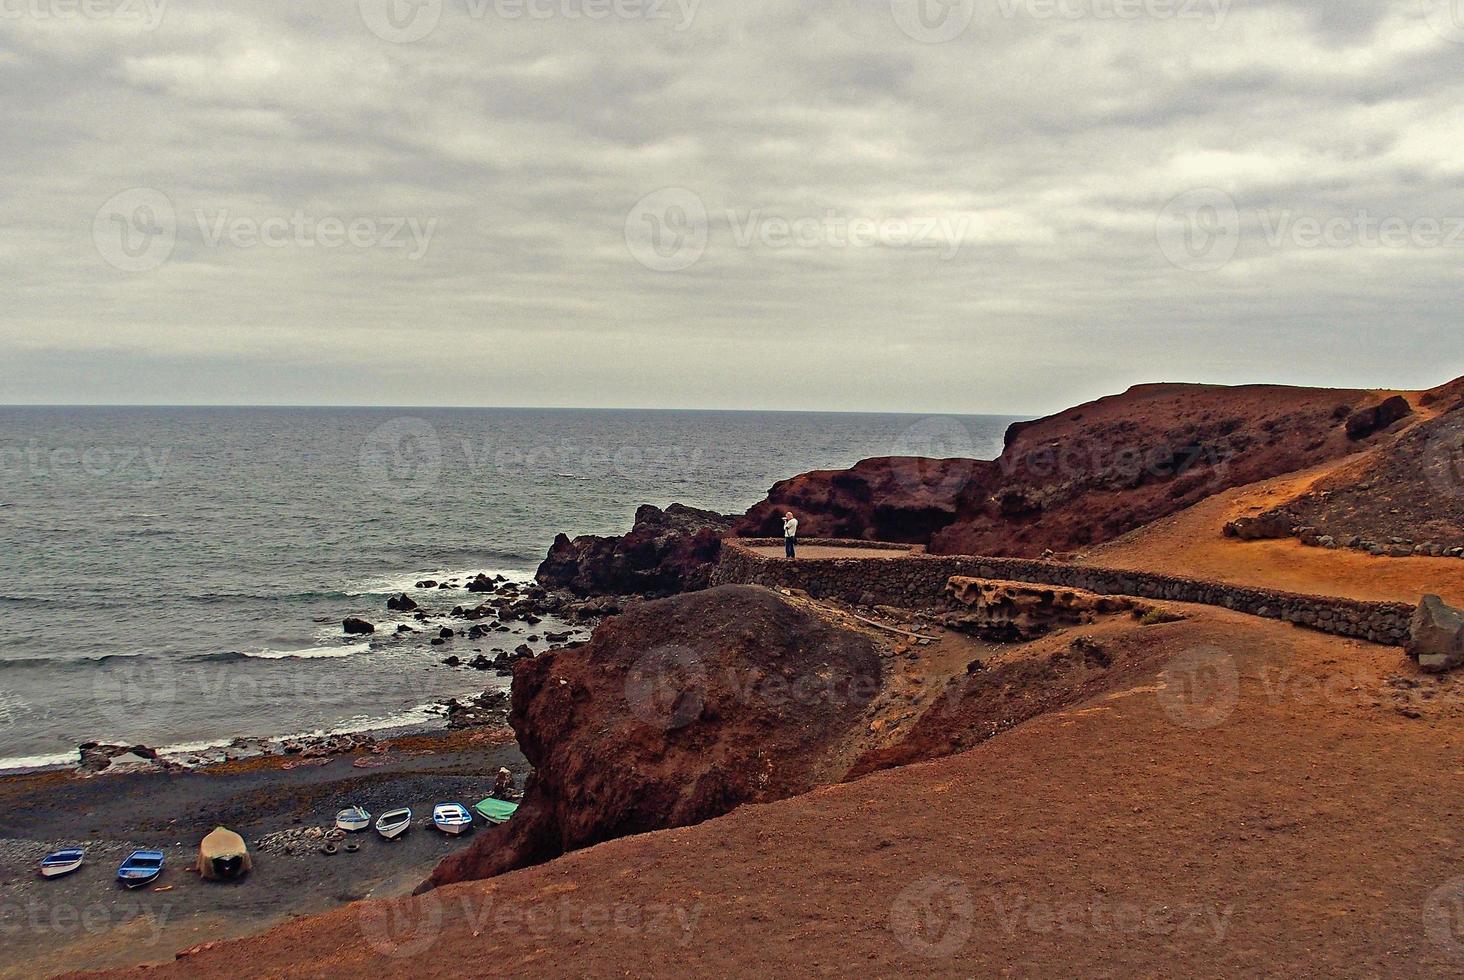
918	580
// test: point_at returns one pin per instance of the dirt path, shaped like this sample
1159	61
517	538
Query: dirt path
1260	809
1191	544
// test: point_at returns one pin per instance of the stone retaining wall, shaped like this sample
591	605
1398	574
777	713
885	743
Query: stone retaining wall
918	580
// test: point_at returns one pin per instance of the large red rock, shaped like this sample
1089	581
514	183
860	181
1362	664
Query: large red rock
887	499
676	711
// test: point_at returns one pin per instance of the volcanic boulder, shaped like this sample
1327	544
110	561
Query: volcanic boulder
677	711
1365	421
1436	638
357	627
665	552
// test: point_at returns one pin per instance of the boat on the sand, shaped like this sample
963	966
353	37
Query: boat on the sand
63	862
141	868
451	818
223	855
394	823
494	810
352	819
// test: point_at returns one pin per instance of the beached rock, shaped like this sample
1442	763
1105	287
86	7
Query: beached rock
1436	635
357	627
401	602
672	714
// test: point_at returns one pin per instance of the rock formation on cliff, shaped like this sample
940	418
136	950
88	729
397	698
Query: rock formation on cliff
1085	475
676	711
665	552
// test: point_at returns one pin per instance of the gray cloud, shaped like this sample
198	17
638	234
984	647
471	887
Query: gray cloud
981	224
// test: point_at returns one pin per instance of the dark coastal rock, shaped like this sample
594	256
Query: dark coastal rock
357	627
98	756
648	726
446	633
427	584
1364	422
489	708
401	602
481	583
665	551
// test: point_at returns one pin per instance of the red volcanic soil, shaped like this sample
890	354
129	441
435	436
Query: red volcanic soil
1083	476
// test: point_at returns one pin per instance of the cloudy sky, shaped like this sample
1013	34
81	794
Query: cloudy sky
998	206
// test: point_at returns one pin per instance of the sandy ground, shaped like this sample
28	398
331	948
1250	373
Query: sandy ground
1261	807
87	921
1190	543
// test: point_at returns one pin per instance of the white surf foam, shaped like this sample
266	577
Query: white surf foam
311	653
407	581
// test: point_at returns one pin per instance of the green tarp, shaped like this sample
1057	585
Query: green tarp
495	811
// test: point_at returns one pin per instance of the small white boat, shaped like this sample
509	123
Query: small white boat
353	818
59	863
393	823
451	818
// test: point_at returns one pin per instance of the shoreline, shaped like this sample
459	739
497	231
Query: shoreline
486	608
86	921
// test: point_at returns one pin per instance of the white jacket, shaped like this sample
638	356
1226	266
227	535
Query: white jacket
790	527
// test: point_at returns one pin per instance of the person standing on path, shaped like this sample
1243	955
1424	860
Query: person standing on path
790	533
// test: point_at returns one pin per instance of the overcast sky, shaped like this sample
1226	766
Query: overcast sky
1002	206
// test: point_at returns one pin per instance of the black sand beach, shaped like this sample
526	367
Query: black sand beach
87	920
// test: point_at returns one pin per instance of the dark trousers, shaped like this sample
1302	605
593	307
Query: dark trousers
788	545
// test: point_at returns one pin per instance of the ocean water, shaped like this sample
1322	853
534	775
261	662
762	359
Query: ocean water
178	576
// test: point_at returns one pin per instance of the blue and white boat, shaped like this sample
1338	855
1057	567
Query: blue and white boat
141	868
451	818
59	863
